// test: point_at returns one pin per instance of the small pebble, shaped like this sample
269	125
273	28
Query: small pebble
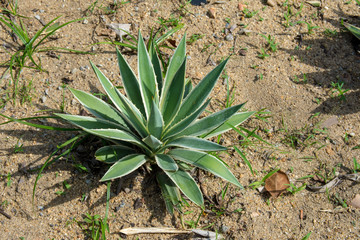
229	37
212	13
103	18
41	11
37	17
74	70
127	190
352	134
241	6
242	52
232	28
224	228
82	68
271	3
46	92
43	99
85	21
122	204
41	208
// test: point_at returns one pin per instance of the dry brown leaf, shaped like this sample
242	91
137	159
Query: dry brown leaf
277	183
355	202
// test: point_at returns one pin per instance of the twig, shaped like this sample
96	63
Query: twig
5	214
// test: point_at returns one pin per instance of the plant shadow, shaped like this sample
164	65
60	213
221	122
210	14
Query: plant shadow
336	57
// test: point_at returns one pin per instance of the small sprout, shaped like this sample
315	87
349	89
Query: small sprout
249	14
338	88
193	38
293	189
263	54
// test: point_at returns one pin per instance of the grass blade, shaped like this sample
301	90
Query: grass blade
245	160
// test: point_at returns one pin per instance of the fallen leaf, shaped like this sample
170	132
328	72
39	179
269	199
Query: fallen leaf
139	230
329	150
120	29
329	122
207	234
355	202
277	183
329	185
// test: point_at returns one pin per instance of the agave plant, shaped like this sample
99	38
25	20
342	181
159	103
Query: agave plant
157	123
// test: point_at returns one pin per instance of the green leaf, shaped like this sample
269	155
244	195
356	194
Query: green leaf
116	135
233	121
157	66
176	62
98	107
155	122
166	163
169	191
200	93
111	154
187	186
130	83
148	84
152	142
180	126
85	122
124	166
354	30
210	122
204	161
131	114
170	100
188	88
195	143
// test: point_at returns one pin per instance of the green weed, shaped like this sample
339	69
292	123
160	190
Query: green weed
28	46
249	14
338	88
293	189
270	42
263	54
193	38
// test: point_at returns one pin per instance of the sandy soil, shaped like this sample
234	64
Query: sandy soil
293	85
